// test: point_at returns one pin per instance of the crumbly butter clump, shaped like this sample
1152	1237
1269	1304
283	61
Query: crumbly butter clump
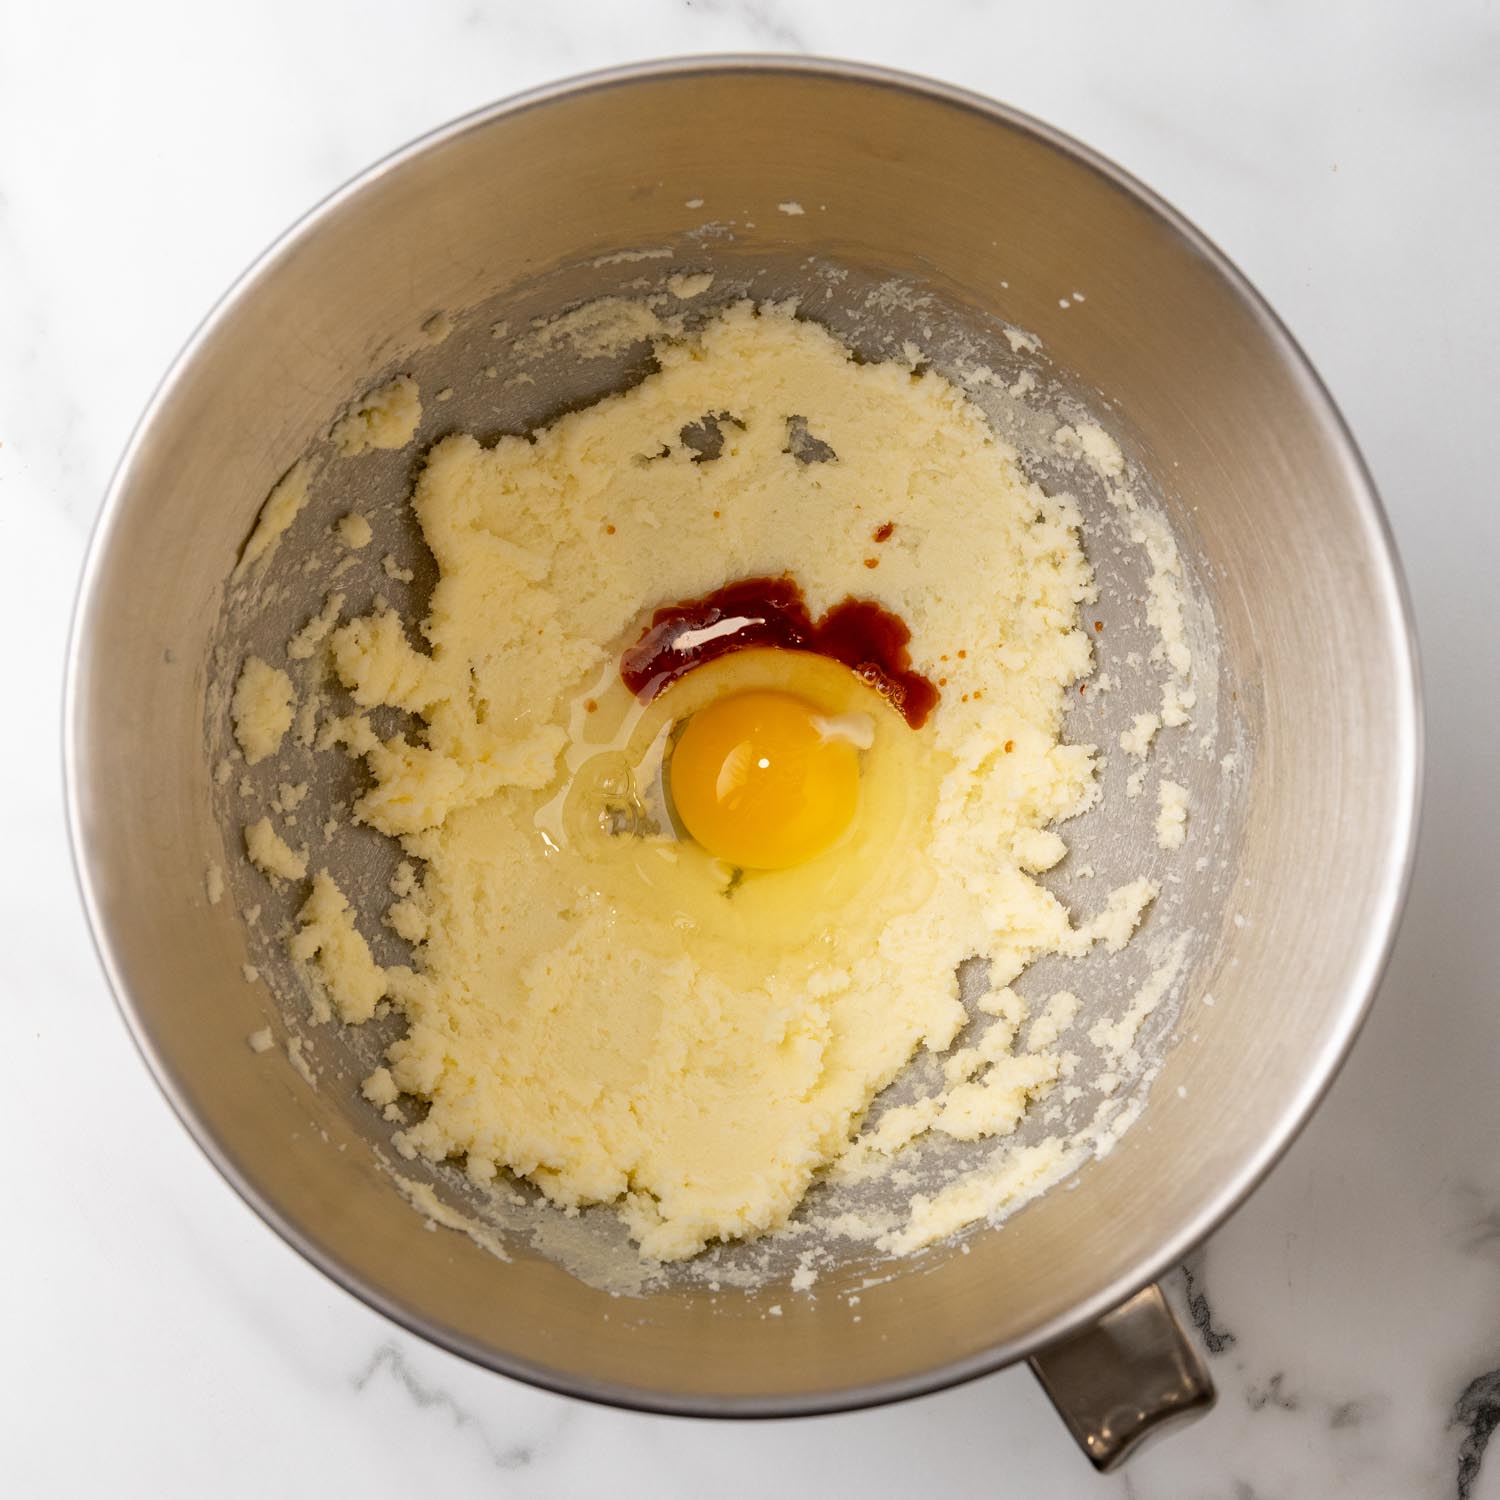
271	854
353	531
581	1037
386	417
1171	820
283	505
261	709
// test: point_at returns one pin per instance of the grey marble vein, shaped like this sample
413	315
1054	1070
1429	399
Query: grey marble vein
389	1362
1349	1414
1215	1340
1477	1412
1238	1489
1478	1232
1272	1393
764	22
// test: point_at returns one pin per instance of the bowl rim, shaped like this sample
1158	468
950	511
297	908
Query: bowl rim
1388	901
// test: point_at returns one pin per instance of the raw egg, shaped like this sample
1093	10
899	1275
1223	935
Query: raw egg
764	780
754	798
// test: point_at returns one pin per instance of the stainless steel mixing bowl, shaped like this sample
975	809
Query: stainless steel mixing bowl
1207	393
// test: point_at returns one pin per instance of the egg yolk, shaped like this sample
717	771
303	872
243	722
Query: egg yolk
762	780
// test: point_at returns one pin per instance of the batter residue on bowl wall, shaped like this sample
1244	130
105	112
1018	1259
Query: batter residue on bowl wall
643	1028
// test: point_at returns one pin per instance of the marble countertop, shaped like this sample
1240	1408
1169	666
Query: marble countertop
159	1340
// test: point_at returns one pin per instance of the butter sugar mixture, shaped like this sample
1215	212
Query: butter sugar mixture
625	1018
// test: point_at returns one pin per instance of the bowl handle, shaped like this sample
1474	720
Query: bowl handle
1125	1378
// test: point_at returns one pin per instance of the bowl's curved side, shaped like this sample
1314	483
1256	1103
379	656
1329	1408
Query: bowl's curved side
1315	608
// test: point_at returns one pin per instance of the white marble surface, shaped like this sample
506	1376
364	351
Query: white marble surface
158	1340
